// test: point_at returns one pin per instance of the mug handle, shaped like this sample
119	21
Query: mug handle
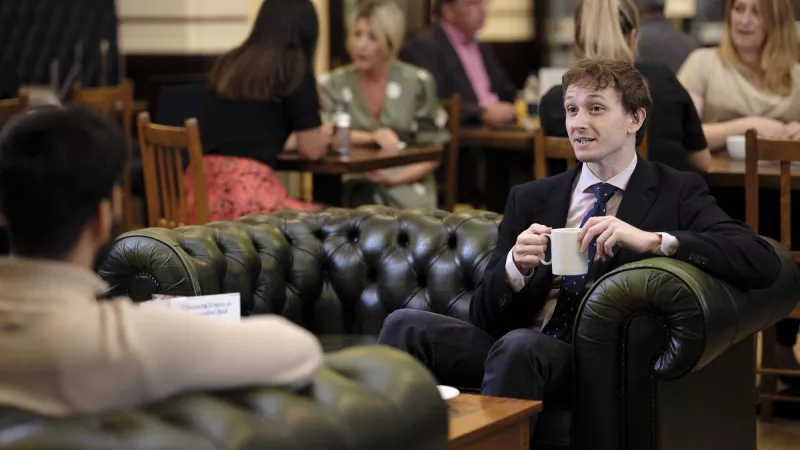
549	238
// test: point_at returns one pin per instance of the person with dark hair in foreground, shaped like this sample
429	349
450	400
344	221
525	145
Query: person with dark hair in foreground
63	351
519	341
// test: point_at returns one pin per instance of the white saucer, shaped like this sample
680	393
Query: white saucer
447	392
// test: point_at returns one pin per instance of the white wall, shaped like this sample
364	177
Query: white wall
509	21
182	26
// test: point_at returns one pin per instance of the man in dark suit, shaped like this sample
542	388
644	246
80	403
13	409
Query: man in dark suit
463	65
519	342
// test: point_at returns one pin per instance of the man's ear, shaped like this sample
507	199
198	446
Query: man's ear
636	121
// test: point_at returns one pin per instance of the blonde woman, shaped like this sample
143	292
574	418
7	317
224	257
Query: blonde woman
609	28
751	79
391	104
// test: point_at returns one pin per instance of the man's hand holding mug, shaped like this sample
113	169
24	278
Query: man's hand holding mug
528	252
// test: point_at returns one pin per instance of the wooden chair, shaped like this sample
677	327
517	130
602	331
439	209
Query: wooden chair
449	185
545	148
13	106
116	103
785	152
162	163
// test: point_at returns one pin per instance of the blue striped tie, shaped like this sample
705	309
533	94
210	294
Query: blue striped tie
573	288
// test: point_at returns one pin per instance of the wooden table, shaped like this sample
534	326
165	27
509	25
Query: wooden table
478	422
360	160
498	153
328	170
727	172
511	137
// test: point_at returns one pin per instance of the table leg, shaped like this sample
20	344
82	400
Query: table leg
328	190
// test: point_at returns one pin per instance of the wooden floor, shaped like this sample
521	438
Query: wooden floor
779	434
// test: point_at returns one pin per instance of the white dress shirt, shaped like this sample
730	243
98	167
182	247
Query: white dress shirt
581	202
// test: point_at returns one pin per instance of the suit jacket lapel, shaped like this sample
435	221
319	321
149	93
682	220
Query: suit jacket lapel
454	61
553	207
639	197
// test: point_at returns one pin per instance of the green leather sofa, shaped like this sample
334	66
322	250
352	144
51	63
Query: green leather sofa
364	398
664	353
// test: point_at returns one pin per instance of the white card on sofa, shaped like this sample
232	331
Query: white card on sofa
222	306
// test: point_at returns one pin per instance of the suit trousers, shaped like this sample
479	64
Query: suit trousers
522	364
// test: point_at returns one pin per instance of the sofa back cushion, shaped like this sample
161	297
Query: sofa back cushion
335	271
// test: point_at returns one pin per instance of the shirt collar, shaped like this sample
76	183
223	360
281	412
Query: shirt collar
619	181
455	35
31	280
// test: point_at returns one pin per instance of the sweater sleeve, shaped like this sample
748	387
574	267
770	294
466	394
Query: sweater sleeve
180	351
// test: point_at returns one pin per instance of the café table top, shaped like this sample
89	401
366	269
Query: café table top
728	172
510	137
360	160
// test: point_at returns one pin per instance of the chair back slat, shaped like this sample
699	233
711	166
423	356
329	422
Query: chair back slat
450	182
116	104
785	152
162	163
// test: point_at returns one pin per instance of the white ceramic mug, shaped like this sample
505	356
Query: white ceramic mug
565	252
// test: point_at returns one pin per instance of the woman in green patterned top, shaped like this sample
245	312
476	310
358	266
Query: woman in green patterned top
391	104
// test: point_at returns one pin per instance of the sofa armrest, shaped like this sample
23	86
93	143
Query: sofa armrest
371	397
661	319
363	398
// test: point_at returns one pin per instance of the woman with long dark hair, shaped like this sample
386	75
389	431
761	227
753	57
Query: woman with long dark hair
262	101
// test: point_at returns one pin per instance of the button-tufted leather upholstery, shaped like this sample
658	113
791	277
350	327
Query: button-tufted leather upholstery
333	272
662	353
364	398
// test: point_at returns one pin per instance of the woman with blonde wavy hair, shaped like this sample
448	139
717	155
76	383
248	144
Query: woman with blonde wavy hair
391	104
609	28
751	79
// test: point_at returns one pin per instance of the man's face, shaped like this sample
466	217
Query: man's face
468	16
597	123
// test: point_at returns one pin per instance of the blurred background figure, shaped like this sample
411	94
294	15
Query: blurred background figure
262	99
610	28
751	81
659	41
391	105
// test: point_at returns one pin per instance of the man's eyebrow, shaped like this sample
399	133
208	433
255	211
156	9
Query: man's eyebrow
572	97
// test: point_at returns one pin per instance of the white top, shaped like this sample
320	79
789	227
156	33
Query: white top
727	95
581	202
66	353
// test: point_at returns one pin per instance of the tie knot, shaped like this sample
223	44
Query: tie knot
603	191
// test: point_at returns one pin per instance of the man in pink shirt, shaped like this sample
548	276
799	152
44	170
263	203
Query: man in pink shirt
461	64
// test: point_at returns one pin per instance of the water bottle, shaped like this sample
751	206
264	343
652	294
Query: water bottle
531	94
343	134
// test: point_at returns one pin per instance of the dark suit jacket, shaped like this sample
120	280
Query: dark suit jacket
433	51
658	198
